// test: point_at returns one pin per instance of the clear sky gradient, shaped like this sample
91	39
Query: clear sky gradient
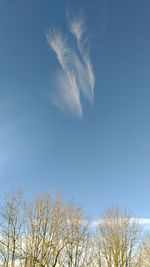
104	157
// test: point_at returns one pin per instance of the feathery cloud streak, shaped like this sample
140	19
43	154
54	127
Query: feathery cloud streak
76	77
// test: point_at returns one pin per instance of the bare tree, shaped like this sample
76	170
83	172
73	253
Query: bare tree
45	231
77	250
146	251
11	226
118	239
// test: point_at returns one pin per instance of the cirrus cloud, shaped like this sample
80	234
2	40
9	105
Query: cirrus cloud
75	78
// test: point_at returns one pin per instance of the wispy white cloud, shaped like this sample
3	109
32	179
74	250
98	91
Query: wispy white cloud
76	77
144	221
77	27
68	96
141	221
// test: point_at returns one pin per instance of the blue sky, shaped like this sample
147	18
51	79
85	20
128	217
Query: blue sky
103	156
